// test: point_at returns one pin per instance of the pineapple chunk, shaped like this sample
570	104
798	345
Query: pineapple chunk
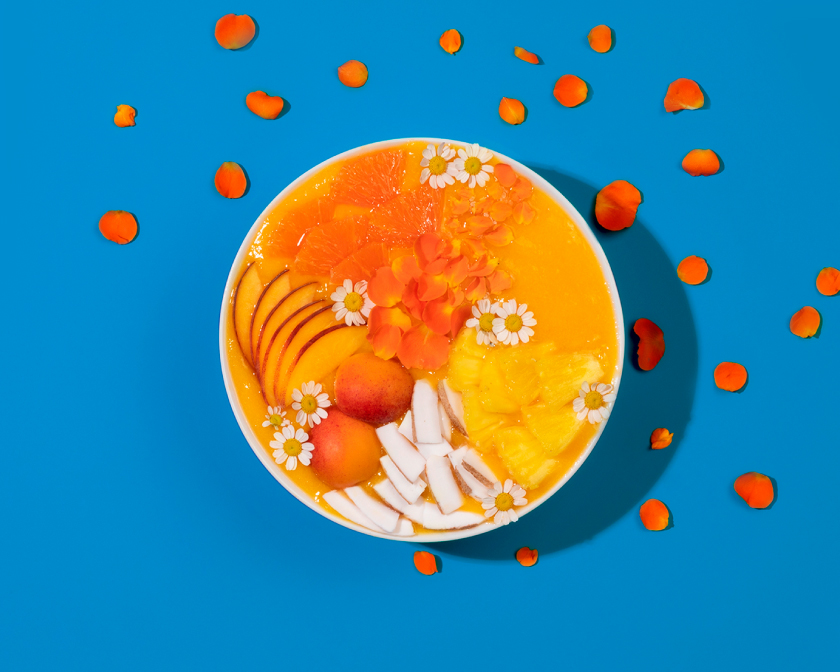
523	456
519	370
492	390
481	424
464	371
466	344
554	427
562	375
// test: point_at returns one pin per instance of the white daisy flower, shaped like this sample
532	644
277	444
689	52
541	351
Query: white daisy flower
437	168
275	417
310	402
291	447
351	303
472	166
513	323
592	402
484	313
500	501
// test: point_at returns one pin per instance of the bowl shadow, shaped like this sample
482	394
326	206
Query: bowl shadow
622	467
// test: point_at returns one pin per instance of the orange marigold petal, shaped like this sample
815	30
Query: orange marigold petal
406	268
655	515
525	55
499	281
651	343
456	270
683	94
500	236
385	288
459	317
234	32
616	205
701	162
527	557
263	105
512	111
394	317
353	74
230	180
504	174
475	289
500	211
570	91
828	281
431	287
424	561
385	341
421	348
661	438
521	189
600	39
118	226
730	376
693	270
806	322
523	213
125	116
437	315
428	248
755	489
451	41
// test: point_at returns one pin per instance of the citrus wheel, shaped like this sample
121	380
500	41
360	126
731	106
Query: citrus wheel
401	221
371	180
285	237
325	246
362	264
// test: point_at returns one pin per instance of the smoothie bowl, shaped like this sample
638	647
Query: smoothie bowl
421	339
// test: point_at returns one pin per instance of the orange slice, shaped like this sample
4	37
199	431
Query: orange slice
285	237
327	245
371	180
407	217
362	264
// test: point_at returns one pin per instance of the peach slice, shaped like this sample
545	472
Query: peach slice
353	74
451	41
600	39
339	501
296	298
410	491
307	330
425	563
655	515
384	516
263	105
424	413
616	205
443	485
346	450
248	292
323	354
125	116
755	489
272	294
701	162
683	94
118	226
400	450
730	376
805	322
230	180
373	389
570	91
828	281
433	519
234	32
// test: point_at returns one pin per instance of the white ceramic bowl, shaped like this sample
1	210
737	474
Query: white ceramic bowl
254	442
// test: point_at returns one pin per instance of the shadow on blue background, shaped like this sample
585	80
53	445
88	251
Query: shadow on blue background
622	468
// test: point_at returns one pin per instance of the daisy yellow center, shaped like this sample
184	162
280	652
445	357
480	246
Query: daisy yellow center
593	400
275	420
485	322
472	165
504	501
354	302
513	322
437	165
309	404
292	447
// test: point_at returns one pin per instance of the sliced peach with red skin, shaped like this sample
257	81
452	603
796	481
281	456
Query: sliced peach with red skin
616	205
308	329
570	91
346	450
600	39
683	94
512	111
755	489
230	180
118	226
701	162
296	298
263	105
655	515
353	74
235	32
125	116
828	281
651	343
730	376
451	41
248	292
372	389
425	563
273	293
527	557
805	322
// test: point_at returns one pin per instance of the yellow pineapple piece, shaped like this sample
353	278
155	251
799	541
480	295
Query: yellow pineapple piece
554	427
464	371
492	390
518	366
561	375
481	424
466	343
523	456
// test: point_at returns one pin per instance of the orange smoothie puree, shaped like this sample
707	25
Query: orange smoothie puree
551	268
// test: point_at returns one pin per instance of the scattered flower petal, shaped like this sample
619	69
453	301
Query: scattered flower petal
651	343
385	288
730	376
693	270
806	322
655	515
525	55
616	205
683	94
512	111
424	561
353	74
828	281
600	39
124	116
505	174
661	438
451	41
570	91
421	348
263	105
701	162
527	557
118	226
234	32
755	489
230	180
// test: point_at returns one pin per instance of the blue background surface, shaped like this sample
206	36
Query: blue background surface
138	529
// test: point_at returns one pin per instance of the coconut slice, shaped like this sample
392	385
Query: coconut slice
399	448
457	455
424	413
453	406
386	490
470	484
433	519
406	428
441	449
384	516
408	490
341	503
445	422
404	528
477	467
443	485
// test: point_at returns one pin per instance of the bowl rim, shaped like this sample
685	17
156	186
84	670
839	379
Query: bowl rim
248	432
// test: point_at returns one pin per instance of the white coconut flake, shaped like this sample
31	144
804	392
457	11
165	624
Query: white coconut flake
443	485
457	455
453	405
470	484
338	500
441	449
399	448
384	516
433	519
424	413
404	528
477	467
445	422
406	428
386	490
408	490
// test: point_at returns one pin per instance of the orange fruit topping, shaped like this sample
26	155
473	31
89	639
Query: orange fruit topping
806	322
828	281
124	116
655	515
118	226
755	489
451	41
285	237
362	264
600	39
403	220
353	74
683	94
693	270
234	32
327	245
263	105
730	376
230	180
370	180
570	91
